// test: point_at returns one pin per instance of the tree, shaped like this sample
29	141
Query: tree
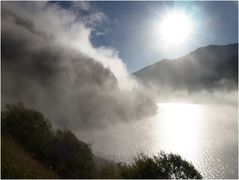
163	166
29	127
69	157
61	150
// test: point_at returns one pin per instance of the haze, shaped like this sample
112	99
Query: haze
67	60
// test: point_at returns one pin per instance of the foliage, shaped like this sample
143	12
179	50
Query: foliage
163	166
70	157
34	139
60	150
29	127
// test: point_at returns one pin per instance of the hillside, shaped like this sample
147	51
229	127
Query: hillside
19	163
207	67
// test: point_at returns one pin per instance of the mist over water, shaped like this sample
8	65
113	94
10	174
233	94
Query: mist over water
205	134
56	69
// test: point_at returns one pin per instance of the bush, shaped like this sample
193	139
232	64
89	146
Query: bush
69	157
29	127
162	166
58	150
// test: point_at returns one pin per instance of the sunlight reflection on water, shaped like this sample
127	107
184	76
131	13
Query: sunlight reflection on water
179	124
187	132
205	135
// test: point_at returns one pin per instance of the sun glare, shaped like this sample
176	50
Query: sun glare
175	28
179	123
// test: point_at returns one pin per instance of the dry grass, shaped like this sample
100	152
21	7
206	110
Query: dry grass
18	163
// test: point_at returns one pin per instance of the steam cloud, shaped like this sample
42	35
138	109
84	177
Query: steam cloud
49	63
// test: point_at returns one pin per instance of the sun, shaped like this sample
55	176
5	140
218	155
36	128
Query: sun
175	28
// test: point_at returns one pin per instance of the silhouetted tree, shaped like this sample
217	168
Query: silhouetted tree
29	127
70	157
163	166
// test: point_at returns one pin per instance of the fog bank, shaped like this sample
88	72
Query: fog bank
50	64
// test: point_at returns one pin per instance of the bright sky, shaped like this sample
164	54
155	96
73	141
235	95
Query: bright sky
130	28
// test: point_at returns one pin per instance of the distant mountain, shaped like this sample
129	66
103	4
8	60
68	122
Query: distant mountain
210	67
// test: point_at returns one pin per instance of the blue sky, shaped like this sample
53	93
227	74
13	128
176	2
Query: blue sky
128	28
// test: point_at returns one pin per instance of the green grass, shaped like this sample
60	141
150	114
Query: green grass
16	162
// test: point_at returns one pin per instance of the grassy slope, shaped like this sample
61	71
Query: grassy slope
18	163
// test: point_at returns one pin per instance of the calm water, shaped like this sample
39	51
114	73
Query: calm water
206	135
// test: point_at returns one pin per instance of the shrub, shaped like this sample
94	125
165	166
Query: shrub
163	166
29	127
69	157
58	150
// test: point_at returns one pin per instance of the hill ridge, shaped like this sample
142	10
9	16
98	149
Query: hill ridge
209	67
199	48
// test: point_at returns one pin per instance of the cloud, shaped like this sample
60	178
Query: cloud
81	5
49	63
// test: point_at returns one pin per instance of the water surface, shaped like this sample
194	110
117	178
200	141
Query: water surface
205	135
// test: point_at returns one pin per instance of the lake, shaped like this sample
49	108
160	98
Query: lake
204	134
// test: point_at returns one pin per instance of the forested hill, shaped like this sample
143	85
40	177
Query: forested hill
210	67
